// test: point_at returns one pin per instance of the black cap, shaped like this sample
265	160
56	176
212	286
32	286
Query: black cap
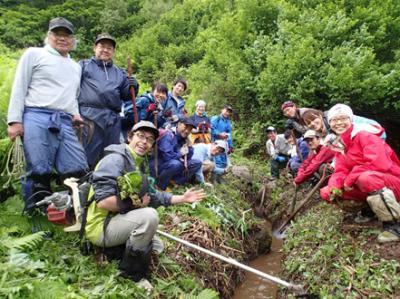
187	121
107	36
61	23
228	107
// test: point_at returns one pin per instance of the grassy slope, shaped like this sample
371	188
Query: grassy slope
38	265
337	258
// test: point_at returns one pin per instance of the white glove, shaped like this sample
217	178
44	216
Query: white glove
184	150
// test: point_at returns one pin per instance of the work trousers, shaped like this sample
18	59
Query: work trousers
135	228
174	170
276	166
105	129
367	182
50	143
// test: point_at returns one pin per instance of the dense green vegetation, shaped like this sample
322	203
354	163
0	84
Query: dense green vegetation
253	54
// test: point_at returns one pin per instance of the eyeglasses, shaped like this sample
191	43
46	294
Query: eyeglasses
59	35
342	119
103	47
142	137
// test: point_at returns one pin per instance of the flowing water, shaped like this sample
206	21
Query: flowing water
255	287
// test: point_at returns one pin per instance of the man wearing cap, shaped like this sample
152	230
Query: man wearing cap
206	153
118	218
278	149
174	106
294	115
43	107
175	153
319	155
221	129
104	87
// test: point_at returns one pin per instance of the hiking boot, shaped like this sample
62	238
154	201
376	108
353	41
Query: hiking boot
391	232
386	237
365	215
145	284
135	263
209	185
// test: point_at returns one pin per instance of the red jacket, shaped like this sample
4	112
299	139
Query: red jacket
322	154
363	151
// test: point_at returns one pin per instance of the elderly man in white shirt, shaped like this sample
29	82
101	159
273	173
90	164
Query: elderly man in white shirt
42	109
279	151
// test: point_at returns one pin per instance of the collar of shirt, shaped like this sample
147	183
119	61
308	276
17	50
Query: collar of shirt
53	51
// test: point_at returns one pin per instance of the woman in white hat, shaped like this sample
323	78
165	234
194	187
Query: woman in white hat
366	168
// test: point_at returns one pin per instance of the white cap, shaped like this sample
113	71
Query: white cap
310	134
340	109
200	103
271	128
222	144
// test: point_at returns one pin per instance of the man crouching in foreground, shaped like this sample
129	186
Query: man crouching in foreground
117	217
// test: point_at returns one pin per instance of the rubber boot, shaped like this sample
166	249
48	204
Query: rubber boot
391	232
135	263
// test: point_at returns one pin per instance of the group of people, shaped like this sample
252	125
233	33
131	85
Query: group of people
365	170
77	118
80	117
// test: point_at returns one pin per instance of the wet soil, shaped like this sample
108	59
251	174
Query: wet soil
255	287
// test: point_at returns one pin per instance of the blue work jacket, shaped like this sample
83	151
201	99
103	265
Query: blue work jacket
171	104
103	85
169	146
220	124
142	103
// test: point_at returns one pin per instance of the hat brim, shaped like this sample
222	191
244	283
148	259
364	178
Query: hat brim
61	26
105	38
155	131
191	125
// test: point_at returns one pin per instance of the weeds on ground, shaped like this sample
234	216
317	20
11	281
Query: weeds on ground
35	267
331	263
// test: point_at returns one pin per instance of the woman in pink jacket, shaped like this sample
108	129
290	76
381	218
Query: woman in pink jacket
366	168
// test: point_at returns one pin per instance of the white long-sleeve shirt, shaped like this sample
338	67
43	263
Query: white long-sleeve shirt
280	146
44	79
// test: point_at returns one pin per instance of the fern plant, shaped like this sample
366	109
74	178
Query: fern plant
26	242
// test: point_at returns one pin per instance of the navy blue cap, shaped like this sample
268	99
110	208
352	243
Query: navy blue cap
187	121
61	23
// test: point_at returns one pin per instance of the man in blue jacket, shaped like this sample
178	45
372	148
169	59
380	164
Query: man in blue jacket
174	107
104	87
175	156
221	129
148	104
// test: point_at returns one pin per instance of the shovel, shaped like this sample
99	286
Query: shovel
259	211
278	228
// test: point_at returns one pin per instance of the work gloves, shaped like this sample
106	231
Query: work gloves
184	150
203	127
231	150
132	82
151	108
168	113
280	159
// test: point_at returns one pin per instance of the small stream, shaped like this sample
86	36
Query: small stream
255	287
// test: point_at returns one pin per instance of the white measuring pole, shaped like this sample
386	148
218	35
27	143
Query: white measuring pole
235	262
